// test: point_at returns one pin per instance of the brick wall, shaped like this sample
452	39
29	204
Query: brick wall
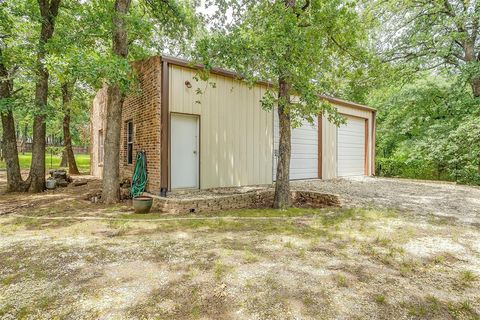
143	109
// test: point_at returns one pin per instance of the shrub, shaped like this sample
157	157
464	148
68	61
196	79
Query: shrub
413	169
471	177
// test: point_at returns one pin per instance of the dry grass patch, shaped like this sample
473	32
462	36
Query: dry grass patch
319	264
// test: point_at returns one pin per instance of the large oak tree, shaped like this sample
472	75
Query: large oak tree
18	20
301	48
438	34
48	12
172	18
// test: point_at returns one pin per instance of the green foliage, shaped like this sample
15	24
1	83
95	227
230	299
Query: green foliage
429	129
54	150
428	116
80	52
440	35
428	121
308	45
403	167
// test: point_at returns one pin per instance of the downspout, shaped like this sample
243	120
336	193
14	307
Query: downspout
165	130
374	136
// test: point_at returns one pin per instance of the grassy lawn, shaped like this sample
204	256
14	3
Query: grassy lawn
83	161
244	264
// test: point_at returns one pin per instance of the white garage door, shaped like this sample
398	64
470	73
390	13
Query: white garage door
304	159
351	148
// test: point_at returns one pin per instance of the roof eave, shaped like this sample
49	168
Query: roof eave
228	73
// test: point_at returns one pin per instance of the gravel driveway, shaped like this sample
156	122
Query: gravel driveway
448	200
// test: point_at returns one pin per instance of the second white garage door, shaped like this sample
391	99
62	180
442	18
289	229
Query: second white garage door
304	159
351	148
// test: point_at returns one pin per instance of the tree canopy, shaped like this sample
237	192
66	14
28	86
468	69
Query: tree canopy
301	48
429	105
432	35
310	44
418	62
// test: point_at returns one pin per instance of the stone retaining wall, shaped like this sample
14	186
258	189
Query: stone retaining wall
250	200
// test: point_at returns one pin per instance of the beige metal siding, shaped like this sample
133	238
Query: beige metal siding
329	135
304	152
236	135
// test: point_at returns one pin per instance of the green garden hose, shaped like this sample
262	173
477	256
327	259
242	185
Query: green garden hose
140	176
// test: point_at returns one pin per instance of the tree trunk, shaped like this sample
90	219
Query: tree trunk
282	185
63	161
9	140
37	167
475	83
10	153
48	12
478	164
67	92
115	98
24	138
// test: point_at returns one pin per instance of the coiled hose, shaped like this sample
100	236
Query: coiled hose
140	175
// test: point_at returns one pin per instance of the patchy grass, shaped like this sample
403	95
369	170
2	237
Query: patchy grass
327	216
318	263
341	280
431	307
250	257
245	213
380	299
308	222
173	302
220	270
467	278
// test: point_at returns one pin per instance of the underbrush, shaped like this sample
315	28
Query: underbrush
424	170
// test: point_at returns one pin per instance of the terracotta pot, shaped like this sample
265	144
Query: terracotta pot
142	204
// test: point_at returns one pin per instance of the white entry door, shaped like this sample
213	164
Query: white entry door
351	148
184	147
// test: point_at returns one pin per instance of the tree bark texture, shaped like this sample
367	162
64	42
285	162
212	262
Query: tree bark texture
15	182
475	83
115	98
282	197
63	161
67	92
471	56
478	163
49	11
9	140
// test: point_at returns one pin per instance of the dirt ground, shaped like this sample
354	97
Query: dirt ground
397	250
